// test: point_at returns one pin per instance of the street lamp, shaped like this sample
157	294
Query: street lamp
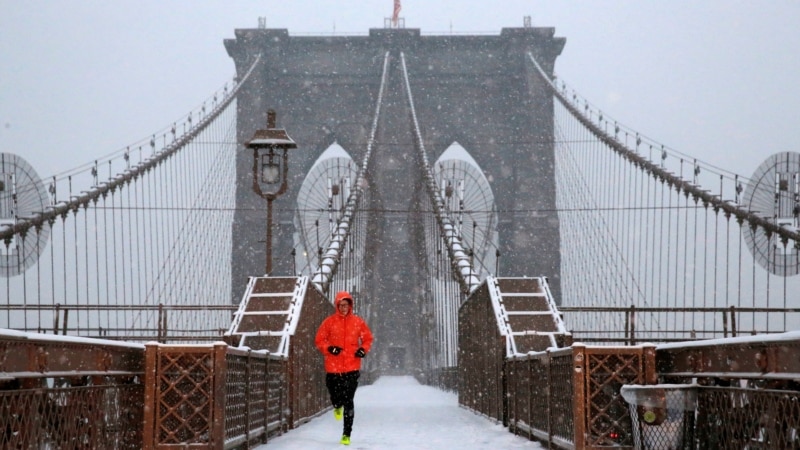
270	169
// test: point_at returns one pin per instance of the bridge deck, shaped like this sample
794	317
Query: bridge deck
398	412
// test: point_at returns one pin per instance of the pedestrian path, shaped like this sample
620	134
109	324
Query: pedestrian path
400	413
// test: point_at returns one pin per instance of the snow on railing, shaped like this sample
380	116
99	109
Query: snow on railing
292	314
553	307
501	314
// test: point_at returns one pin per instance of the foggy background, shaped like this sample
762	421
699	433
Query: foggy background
713	79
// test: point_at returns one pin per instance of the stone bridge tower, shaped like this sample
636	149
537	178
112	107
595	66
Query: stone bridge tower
480	91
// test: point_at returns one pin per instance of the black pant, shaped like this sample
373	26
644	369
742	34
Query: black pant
342	389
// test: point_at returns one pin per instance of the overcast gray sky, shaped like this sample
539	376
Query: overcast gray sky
714	79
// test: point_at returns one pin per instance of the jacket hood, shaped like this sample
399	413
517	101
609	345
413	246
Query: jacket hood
343	295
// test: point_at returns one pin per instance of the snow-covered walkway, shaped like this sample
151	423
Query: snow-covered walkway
400	413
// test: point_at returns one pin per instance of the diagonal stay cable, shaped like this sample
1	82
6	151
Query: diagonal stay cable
463	271
330	261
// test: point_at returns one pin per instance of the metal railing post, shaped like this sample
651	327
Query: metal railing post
548	362
579	394
150	408
217	438
56	316
504	391
65	322
724	323
265	436
247	409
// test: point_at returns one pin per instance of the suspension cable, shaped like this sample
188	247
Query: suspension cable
658	172
330	261
461	264
23	224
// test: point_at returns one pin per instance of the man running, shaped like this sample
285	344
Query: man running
344	339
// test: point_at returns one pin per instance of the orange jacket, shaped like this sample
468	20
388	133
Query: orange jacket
349	332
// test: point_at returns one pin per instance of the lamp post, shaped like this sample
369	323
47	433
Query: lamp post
270	169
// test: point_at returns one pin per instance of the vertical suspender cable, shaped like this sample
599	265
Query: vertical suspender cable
86	265
137	266
694	258
64	257
24	286
125	261
39	299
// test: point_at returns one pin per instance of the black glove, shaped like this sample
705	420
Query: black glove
334	350
360	353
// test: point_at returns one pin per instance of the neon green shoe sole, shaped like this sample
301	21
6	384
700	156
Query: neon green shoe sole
338	413
345	440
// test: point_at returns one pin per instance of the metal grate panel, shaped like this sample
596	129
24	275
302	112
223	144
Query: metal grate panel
97	417
185	384
608	417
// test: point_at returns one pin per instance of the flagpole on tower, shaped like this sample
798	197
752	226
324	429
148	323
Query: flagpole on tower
396	13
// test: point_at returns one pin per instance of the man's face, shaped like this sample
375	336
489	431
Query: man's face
344	307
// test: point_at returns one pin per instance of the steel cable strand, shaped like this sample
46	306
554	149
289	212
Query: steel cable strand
86	259
613	248
213	255
150	245
204	239
173	230
565	174
668	177
327	269
24	290
574	190
705	264
694	260
127	267
228	199
681	276
629	229
193	226
606	252
121	179
676	154
7	276
572	286
39	299
462	268
716	201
